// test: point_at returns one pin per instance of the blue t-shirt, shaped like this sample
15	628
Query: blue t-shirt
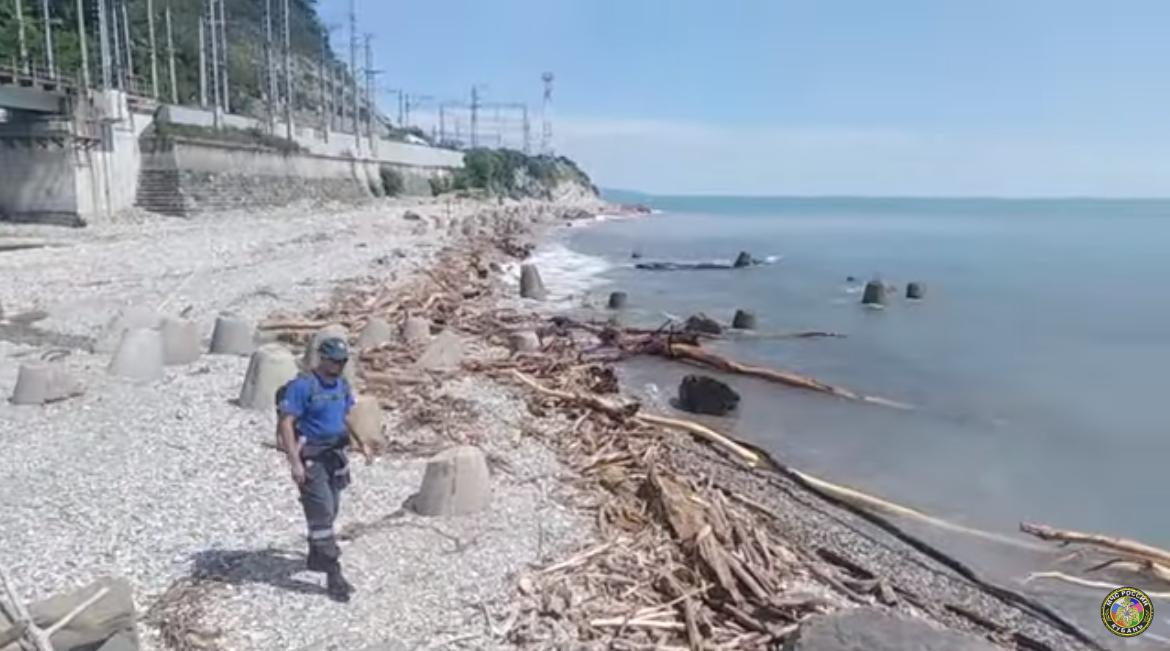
319	407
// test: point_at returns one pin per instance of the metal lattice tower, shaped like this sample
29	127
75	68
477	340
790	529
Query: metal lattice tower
546	132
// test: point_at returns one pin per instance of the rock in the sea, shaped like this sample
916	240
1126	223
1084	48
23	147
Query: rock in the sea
701	323
531	284
744	259
744	320
456	482
617	300
915	291
870	629
874	293
702	394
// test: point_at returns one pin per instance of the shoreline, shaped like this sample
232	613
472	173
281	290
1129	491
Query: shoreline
531	484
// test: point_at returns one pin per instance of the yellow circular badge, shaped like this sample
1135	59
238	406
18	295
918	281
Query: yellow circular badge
1127	612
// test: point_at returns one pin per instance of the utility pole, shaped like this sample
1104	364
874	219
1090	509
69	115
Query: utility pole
131	82
20	36
353	70
288	75
83	45
47	21
474	115
323	79
171	57
371	107
214	35
104	44
202	64
226	64
527	127
153	49
545	116
269	67
116	39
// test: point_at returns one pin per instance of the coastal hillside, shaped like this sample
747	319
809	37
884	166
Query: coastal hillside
246	34
514	174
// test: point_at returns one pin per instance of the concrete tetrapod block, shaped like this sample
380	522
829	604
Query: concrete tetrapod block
131	318
312	356
365	421
523	341
271	367
181	341
531	284
41	383
456	482
231	336
874	294
139	356
445	353
415	330
376	332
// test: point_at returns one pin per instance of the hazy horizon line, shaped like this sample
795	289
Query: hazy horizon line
879	197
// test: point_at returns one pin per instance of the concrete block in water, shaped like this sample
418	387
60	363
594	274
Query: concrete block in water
617	300
131	318
182	342
415	330
744	320
744	259
375	333
43	382
139	356
456	482
365	421
915	291
231	336
445	353
874	294
702	394
271	367
312	356
531	284
523	341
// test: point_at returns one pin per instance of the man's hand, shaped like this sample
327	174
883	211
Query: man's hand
297	470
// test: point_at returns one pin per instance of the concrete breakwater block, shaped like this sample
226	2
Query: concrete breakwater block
312	357
744	320
231	335
375	333
531	284
181	341
415	330
445	353
702	324
874	294
42	383
110	623
365	421
523	341
131	318
456	482
915	291
139	356
271	367
617	300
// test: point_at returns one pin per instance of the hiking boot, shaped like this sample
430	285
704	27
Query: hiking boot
338	588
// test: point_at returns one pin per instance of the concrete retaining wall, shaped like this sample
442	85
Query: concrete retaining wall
185	176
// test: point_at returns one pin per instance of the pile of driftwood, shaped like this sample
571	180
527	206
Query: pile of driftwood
681	562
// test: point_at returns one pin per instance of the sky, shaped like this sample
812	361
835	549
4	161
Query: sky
1007	98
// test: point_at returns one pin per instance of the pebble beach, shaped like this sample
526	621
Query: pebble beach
165	481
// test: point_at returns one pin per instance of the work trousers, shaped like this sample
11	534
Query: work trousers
326	476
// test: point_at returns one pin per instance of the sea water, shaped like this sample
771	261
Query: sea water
1036	364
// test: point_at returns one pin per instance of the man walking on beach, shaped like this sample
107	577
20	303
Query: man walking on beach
314	433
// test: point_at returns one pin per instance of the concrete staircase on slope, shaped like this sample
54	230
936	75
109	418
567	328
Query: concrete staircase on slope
160	191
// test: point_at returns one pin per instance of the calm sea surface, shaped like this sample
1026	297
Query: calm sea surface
1038	361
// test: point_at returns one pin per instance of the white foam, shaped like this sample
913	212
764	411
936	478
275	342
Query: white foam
567	274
